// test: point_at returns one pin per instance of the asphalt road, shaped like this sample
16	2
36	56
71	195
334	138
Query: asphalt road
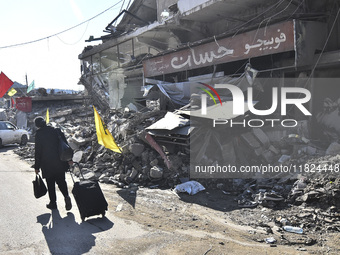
28	227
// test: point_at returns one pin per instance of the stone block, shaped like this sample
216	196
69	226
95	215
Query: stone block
259	151
261	136
250	140
274	150
333	149
228	153
156	172
136	149
268	156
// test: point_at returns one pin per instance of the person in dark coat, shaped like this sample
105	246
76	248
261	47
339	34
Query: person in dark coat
47	159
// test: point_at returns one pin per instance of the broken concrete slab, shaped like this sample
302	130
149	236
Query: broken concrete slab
136	149
250	140
333	149
261	136
228	153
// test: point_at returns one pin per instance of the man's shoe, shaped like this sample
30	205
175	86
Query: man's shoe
51	206
68	204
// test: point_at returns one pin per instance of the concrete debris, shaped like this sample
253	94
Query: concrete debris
287	207
144	160
156	172
136	149
333	149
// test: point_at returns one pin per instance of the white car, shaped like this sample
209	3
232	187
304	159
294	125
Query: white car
10	134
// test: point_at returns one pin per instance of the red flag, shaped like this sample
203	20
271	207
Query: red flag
5	84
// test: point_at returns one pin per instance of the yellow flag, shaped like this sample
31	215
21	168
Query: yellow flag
103	134
11	92
47	116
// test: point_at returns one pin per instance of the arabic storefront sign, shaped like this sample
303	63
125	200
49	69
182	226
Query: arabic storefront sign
24	104
269	40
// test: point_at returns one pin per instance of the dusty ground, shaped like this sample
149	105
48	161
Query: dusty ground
209	222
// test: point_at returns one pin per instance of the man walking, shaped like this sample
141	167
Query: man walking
47	159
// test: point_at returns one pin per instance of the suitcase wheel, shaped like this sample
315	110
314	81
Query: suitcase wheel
103	214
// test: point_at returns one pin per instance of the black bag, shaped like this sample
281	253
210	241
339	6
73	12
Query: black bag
39	187
65	151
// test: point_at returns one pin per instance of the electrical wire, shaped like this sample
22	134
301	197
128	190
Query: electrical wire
128	5
322	51
77	40
56	34
121	9
324	47
238	28
295	10
276	5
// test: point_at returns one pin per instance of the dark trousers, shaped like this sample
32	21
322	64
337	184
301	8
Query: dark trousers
60	180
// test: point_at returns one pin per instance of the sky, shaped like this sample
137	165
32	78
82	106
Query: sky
53	61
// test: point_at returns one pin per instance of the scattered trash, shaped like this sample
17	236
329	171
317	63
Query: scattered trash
119	207
247	203
270	240
272	196
191	187
284	221
292	229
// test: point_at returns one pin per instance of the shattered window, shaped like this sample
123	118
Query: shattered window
86	66
109	59
142	51
96	63
126	55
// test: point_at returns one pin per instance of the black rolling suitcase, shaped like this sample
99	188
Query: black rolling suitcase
89	196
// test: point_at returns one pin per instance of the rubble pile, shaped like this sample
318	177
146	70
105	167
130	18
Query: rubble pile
142	162
139	162
290	212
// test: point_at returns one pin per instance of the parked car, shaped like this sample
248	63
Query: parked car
10	134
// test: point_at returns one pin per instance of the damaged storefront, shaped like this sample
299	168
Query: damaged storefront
235	139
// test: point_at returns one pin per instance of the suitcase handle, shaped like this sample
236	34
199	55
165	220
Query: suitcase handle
72	173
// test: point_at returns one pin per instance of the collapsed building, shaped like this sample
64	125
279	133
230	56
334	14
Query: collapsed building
165	49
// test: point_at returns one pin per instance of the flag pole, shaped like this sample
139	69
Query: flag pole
26	86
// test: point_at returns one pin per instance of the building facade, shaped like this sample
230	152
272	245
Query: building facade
163	44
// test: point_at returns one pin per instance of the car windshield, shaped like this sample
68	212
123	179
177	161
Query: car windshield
9	126
6	126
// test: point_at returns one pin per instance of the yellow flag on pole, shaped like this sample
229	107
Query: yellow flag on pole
47	116
104	136
11	92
